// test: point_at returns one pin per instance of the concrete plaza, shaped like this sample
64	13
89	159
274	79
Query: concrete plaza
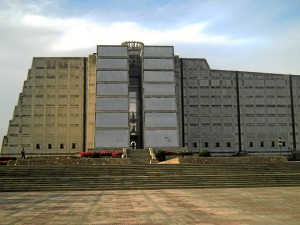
157	207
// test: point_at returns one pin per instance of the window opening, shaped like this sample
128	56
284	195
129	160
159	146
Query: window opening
261	144
206	144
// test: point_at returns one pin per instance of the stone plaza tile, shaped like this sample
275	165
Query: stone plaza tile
153	207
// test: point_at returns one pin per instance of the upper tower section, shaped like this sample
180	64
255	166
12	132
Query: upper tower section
134	47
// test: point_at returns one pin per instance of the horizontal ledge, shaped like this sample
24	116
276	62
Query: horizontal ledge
172	70
112	57
112	128
159	82
160	111
158	57
111	111
112	96
161	128
112	82
111	69
159	96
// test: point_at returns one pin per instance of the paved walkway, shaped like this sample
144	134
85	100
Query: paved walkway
155	207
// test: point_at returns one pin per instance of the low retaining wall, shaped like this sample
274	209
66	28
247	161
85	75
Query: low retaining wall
69	161
223	160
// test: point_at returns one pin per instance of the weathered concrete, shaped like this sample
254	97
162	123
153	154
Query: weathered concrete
112	104
222	160
160	76
112	89
158	64
253	206
161	138
112	51
111	120
160	104
65	161
112	128
158	51
112	138
160	120
112	75
159	89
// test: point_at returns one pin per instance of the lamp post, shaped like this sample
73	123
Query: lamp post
279	144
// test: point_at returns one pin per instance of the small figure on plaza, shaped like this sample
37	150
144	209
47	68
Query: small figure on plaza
23	152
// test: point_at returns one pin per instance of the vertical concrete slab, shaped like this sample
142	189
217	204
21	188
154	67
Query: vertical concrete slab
112	104
160	108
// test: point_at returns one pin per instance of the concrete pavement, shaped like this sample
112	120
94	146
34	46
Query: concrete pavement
156	207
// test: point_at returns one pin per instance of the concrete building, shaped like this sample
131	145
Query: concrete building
135	97
228	112
49	116
132	95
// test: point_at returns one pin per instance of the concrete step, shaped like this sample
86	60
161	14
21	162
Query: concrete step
139	156
114	177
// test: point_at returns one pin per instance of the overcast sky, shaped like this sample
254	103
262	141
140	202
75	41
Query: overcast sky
247	35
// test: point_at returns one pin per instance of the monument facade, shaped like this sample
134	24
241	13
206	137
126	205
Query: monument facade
138	96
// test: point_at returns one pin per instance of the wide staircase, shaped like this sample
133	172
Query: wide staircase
139	156
124	177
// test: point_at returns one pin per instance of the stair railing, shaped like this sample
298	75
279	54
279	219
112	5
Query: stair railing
124	153
153	159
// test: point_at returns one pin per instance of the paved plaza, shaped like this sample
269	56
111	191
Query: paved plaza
158	207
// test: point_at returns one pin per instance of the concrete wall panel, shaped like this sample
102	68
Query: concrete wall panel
112	120
116	51
158	64
159	76
112	104
111	138
161	138
112	89
112	76
159	104
158	51
159	89
160	120
39	62
117	64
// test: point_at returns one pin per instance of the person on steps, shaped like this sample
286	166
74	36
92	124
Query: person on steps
23	152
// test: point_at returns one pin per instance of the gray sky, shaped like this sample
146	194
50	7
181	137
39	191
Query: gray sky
247	35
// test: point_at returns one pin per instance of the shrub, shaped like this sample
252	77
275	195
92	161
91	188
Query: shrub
204	153
96	155
169	152
105	153
117	153
160	155
5	158
86	154
241	153
184	153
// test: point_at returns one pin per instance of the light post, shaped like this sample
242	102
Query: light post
279	144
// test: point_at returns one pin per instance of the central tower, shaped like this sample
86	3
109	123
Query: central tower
135	97
135	93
